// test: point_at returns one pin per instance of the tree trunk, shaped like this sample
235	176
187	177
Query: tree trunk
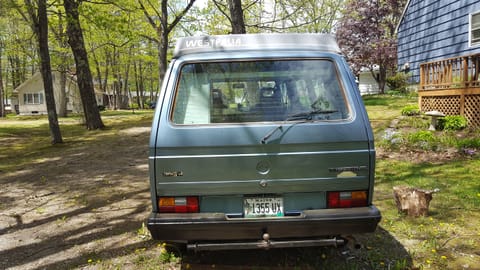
412	201
46	70
163	29
39	23
126	90
59	34
16	71
84	76
236	12
382	77
62	102
2	102
162	45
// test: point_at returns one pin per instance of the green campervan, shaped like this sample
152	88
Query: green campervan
260	141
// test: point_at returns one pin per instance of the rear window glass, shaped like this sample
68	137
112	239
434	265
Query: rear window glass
259	91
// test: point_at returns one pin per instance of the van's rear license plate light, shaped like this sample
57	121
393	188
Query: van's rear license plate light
258	207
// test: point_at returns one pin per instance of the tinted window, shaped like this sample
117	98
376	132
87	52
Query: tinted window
259	91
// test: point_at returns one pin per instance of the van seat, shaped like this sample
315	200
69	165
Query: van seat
270	105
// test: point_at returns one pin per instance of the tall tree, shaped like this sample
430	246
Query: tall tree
37	16
366	34
61	56
84	75
2	102
2	46
313	16
236	13
20	51
158	18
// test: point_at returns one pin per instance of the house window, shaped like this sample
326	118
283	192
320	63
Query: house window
33	98
475	29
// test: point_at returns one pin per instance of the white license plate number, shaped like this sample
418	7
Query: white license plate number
254	207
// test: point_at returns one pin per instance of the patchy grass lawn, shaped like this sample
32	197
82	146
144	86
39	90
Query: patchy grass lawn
449	237
82	204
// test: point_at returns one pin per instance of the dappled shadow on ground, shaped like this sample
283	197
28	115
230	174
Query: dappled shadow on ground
378	250
83	201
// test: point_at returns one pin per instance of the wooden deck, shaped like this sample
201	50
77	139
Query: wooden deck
452	86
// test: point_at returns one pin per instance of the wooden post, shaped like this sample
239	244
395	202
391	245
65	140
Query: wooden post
422	76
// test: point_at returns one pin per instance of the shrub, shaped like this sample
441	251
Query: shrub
410	110
452	122
398	82
424	139
469	143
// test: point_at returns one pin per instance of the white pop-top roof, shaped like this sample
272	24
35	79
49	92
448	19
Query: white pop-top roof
249	42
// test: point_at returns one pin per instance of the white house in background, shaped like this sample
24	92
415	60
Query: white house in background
367	83
29	97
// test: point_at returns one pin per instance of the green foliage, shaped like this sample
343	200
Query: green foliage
143	232
423	138
468	143
410	110
415	122
398	82
452	122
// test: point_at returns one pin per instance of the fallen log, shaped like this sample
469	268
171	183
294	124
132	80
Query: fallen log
411	201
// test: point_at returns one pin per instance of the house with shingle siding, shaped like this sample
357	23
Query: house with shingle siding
431	30
439	45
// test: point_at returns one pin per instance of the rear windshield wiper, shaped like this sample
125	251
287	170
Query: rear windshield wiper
269	134
308	115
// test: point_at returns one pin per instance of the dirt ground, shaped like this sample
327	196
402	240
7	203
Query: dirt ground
84	206
65	211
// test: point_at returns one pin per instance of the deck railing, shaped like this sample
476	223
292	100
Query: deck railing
452	86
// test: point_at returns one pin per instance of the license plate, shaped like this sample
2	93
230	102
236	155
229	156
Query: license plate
254	207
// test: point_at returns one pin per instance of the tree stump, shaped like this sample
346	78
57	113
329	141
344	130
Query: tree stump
412	201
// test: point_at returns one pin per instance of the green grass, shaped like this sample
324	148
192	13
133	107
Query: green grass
26	139
383	109
441	239
449	235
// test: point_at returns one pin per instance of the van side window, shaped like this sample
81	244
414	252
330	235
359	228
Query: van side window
258	91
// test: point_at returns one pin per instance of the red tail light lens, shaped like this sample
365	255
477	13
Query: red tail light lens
178	204
347	199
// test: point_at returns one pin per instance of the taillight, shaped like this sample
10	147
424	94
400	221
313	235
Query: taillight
346	199
178	204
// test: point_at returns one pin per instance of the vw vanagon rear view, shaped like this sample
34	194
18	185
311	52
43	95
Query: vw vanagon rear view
260	141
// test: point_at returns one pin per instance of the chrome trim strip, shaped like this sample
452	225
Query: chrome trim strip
256	181
260	154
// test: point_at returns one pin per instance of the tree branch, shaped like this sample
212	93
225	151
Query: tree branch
180	16
147	15
221	9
